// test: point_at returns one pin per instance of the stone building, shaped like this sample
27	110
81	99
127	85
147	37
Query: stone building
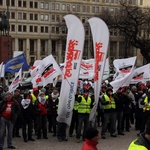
38	29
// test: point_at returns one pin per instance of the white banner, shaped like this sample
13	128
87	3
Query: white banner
73	57
141	74
100	34
49	70
122	82
37	81
124	66
17	80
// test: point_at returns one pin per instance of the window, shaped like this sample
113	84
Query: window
97	9
57	18
68	7
20	47
53	30
24	4
31	47
83	8
53	47
12	2
141	2
42	29
42	47
57	30
19	28
24	28
46	6
53	18
53	6
35	5
19	4
31	28
63	7
57	6
88	9
24	16
78	8
93	9
12	27
19	16
42	17
74	8
46	29
12	15
35	16
31	16
46	17
35	28
31	4
1	2
42	5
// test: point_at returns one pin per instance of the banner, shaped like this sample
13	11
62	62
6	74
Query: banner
141	74
87	69
17	80
124	66
122	82
49	70
16	63
73	57
100	34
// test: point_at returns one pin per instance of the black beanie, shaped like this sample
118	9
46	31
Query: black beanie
147	127
91	133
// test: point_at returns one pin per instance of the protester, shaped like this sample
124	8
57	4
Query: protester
143	141
27	117
41	115
52	109
8	111
18	123
84	107
108	102
91	139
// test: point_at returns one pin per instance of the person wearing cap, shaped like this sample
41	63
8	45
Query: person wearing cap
8	113
108	102
91	139
143	141
27	116
18	123
41	105
85	104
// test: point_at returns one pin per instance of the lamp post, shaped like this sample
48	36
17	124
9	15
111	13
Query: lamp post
8	44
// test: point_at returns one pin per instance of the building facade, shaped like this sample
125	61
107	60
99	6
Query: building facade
38	29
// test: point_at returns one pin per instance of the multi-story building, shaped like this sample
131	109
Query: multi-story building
38	29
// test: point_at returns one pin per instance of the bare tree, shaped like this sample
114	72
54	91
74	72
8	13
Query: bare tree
134	23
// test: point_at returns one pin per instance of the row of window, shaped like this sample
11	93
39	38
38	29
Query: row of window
23	28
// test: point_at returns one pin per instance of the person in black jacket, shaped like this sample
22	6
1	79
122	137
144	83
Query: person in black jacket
27	117
8	113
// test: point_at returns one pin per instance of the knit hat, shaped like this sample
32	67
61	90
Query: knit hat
91	133
147	127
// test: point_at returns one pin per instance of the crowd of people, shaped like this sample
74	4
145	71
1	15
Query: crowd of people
34	111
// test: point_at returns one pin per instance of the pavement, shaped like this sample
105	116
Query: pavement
110	143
